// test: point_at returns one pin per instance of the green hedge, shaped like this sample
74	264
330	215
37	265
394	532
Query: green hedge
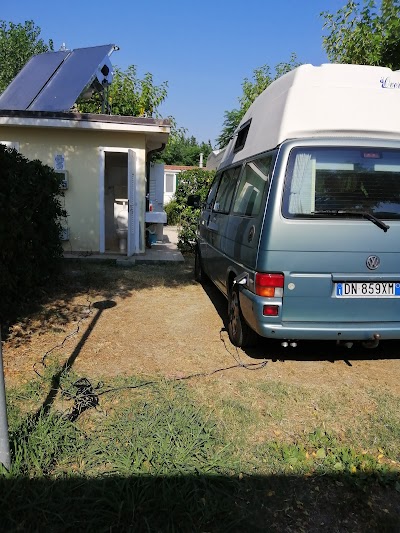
173	211
195	181
30	212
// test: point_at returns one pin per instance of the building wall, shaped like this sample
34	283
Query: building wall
171	177
170	182
81	152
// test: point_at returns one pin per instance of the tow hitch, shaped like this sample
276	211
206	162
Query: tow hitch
373	343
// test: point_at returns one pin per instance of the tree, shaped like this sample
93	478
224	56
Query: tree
184	150
262	77
196	181
31	215
364	35
128	95
18	43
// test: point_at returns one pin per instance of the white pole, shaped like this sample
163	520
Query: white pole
4	442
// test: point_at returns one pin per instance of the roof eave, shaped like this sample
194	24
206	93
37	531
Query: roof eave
83	121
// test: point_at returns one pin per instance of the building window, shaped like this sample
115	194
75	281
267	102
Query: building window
11	144
170	183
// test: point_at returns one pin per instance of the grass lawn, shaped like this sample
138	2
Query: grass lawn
211	453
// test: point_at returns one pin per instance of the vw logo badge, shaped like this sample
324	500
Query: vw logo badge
373	262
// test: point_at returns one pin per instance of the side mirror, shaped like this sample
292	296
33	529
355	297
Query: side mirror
193	200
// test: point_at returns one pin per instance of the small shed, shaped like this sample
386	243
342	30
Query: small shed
103	158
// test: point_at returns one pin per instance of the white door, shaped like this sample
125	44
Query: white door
133	221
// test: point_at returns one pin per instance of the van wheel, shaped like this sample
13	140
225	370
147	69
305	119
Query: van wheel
199	274
240	333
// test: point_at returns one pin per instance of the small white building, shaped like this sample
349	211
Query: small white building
171	173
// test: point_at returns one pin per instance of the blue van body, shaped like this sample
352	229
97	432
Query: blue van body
304	239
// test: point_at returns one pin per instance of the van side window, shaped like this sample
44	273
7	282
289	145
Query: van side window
242	136
251	187
212	192
226	190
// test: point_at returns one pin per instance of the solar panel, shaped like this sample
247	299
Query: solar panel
53	81
30	80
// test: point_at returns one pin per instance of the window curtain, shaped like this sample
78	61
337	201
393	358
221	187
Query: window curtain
302	192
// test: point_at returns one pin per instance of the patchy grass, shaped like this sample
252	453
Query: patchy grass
152	457
227	451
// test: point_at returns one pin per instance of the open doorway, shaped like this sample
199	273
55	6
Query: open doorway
116	202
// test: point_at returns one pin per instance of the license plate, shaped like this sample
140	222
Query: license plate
380	289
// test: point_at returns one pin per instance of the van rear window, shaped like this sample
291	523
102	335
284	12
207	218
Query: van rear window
325	181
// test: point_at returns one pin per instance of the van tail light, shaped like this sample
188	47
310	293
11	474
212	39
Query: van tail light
269	285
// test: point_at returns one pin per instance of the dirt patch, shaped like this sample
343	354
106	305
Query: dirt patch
158	321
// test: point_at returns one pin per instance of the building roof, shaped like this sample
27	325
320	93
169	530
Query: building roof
82	117
155	130
179	167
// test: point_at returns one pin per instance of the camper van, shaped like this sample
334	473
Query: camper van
301	226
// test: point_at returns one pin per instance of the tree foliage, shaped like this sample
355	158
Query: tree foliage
196	181
184	150
30	223
251	88
364	34
129	95
18	43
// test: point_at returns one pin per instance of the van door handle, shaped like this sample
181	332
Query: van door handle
251	234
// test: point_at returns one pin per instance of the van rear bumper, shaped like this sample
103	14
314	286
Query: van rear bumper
337	331
275	328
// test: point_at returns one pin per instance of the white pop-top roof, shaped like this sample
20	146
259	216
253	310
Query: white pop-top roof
329	100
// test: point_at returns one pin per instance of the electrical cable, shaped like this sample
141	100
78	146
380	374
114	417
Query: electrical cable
247	366
85	396
72	334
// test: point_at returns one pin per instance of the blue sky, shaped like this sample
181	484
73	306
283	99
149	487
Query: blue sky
203	49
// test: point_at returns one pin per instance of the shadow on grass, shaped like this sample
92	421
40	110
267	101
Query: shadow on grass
54	306
198	503
306	350
56	379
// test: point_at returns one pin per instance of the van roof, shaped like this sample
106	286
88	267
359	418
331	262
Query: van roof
329	100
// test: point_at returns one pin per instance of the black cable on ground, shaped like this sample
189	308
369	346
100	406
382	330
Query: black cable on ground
72	334
190	376
85	396
247	366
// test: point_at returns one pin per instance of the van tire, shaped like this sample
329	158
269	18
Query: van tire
199	275
240	333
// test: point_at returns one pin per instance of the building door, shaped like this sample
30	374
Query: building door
134	218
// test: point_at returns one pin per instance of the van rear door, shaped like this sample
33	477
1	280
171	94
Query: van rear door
337	237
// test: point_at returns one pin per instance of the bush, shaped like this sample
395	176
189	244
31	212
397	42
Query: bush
30	211
196	181
173	213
